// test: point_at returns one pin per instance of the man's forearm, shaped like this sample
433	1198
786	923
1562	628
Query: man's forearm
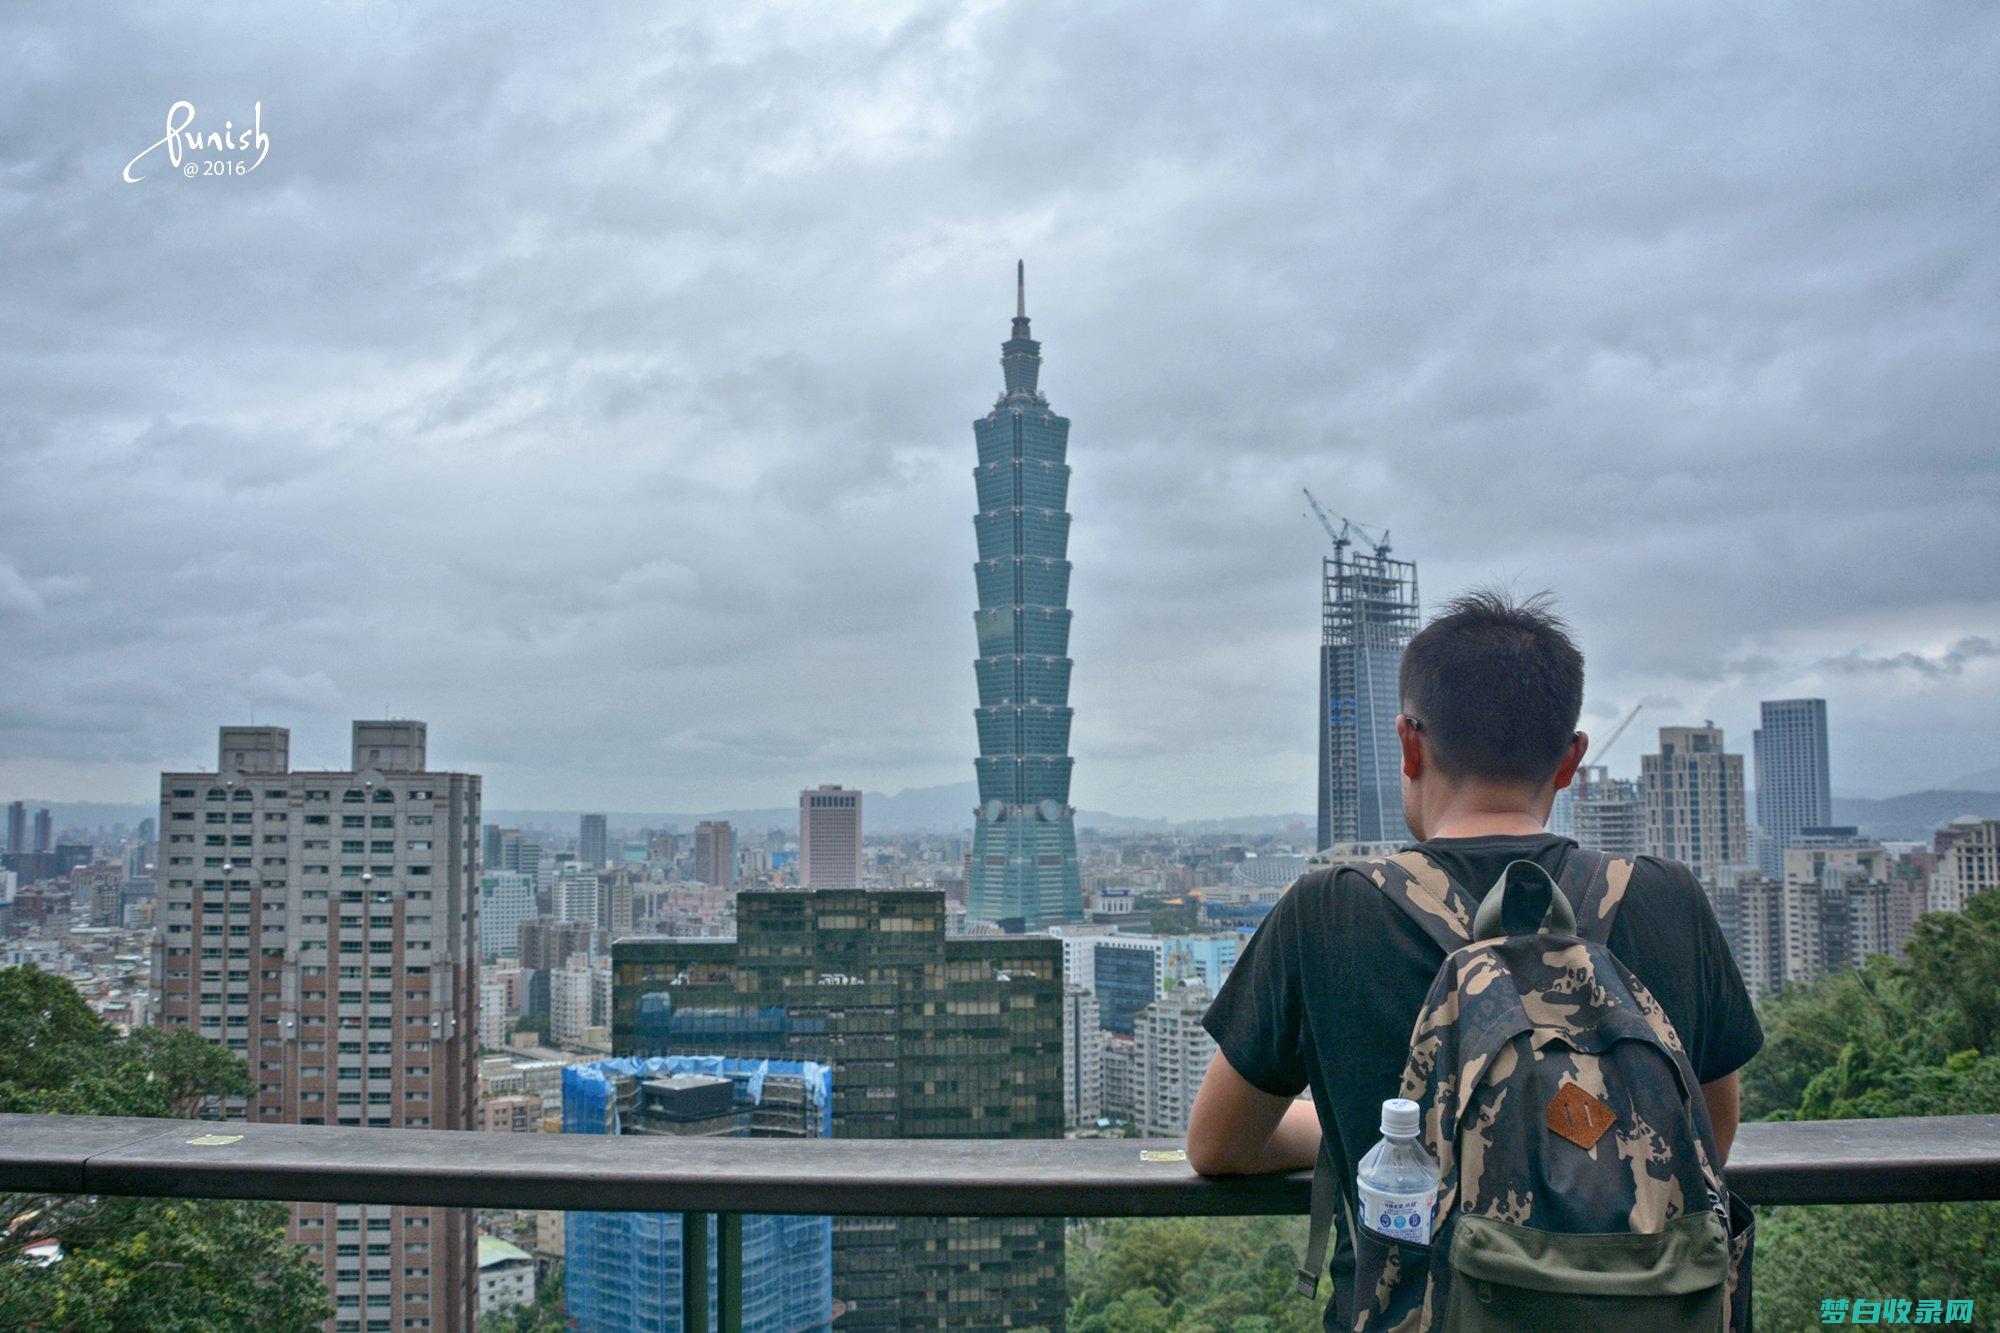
1292	1146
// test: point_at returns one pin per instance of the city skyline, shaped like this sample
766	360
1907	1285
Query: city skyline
630	479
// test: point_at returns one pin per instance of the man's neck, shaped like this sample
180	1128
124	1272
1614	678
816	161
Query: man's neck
1485	824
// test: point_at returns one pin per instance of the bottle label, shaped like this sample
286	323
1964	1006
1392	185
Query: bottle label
1400	1217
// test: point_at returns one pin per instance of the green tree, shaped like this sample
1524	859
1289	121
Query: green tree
1189	1275
1920	1037
166	1264
547	1313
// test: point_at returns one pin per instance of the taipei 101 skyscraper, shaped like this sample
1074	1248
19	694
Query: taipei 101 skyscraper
1024	865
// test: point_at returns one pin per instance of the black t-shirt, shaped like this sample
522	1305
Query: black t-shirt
1326	992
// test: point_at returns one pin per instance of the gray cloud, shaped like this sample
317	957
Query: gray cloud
601	391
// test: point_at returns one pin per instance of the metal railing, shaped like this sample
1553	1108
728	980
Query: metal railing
1918	1160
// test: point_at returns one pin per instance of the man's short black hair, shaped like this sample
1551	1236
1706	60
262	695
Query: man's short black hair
1495	686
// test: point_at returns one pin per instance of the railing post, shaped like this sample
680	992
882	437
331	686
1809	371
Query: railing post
694	1272
729	1273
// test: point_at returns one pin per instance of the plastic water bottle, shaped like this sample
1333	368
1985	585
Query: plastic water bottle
1397	1182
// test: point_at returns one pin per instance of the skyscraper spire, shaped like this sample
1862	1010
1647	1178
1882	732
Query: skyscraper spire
1024	857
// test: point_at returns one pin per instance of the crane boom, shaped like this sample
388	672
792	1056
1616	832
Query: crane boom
1605	745
1341	536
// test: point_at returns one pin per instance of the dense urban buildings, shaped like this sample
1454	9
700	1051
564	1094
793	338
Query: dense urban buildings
1369	610
715	852
320	925
927	1036
1024	870
1794	789
1693	792
623	1270
830	837
1606	814
592	839
1968	861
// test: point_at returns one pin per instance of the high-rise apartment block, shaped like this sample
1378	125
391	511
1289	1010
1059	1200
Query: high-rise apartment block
1693	793
1083	1059
17	826
830	837
927	1036
321	925
1794	790
576	894
715	852
1968	862
1369	610
506	899
1024	862
1172	1051
592	842
45	830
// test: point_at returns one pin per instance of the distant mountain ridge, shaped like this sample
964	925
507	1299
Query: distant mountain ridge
948	809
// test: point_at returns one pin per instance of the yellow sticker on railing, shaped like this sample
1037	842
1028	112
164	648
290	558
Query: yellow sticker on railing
1162	1155
213	1140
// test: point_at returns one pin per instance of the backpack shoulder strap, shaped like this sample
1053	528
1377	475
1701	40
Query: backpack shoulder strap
1595	884
1431	898
1325	1188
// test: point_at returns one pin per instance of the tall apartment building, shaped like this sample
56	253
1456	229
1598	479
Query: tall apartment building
617	899
1121	1076
1083	1059
1606	814
321	925
1693	793
715	852
1968	861
830	837
17	826
45	830
927	1036
1794	790
510	849
506	899
1172	1051
576	894
1024	869
1369	610
592	842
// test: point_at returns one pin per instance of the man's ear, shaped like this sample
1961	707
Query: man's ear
1413	747
1579	746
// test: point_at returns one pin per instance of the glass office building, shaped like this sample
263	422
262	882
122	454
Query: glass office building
1024	861
622	1271
1368	613
927	1037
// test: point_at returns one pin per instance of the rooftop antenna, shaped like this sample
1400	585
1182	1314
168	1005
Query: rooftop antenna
1020	289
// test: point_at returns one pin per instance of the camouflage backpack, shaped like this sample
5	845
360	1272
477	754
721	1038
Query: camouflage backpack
1577	1187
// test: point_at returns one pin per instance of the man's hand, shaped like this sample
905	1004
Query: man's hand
1238	1129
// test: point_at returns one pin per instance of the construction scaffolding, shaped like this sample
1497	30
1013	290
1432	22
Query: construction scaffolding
1369	610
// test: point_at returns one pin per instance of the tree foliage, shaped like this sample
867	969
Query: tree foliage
1920	1037
1188	1275
547	1313
170	1264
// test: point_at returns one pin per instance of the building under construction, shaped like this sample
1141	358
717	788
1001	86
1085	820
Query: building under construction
1368	613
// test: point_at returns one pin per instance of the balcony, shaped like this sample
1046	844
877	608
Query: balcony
1924	1160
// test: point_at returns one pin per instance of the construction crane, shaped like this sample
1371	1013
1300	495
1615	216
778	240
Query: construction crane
1605	745
1340	535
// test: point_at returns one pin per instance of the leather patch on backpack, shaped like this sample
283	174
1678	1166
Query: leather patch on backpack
1579	1117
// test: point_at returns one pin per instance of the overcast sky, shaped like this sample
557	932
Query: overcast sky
600	388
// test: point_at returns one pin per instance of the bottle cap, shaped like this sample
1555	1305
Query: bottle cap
1400	1117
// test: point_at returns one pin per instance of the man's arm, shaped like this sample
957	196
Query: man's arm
1238	1129
1725	1103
